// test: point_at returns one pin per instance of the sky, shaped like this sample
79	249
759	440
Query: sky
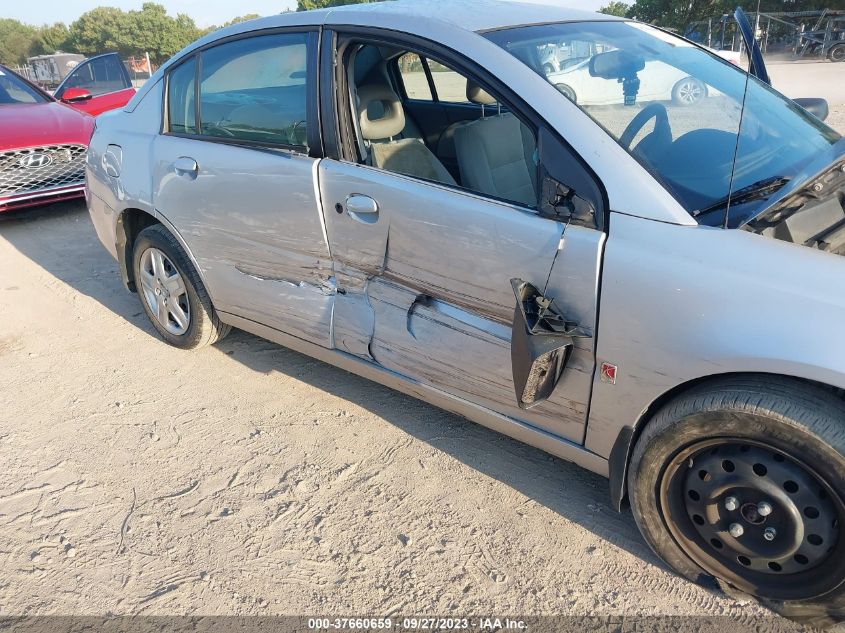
204	12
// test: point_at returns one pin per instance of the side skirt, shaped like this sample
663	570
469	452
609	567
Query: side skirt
547	442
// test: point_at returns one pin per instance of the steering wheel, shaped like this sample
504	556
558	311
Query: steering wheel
662	135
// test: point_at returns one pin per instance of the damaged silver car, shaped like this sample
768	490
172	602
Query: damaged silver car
650	287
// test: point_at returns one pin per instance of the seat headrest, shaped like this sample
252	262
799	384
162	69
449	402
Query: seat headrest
392	121
479	95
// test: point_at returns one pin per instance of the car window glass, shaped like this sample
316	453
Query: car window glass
488	150
680	110
181	98
255	89
450	85
99	76
12	90
414	78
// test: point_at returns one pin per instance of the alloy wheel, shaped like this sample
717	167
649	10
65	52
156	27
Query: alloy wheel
690	92
165	292
755	516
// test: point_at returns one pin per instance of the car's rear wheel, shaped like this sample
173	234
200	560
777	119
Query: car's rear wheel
837	53
742	480
567	92
171	292
688	91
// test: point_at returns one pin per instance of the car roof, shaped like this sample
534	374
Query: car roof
471	15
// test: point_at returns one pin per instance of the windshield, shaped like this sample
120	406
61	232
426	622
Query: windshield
677	109
13	90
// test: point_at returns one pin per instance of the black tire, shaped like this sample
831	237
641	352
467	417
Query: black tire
205	328
799	428
548	69
567	92
688	92
837	53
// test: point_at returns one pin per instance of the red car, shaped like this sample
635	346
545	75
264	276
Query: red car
98	84
43	145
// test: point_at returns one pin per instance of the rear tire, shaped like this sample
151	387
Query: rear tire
172	293
837	53
708	462
567	92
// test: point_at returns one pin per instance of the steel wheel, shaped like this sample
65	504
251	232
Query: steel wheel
165	292
688	91
837	53
756	516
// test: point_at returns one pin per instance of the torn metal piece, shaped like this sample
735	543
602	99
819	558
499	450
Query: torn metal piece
421	300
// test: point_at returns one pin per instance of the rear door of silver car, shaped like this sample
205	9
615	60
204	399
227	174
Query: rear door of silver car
234	172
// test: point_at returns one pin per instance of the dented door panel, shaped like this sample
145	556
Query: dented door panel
445	346
263	256
434	272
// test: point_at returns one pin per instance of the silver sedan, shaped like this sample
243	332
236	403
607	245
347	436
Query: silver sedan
648	287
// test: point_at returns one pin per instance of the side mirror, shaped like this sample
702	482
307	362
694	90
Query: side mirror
541	342
817	107
75	95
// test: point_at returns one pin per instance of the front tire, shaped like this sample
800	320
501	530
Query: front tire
742	480
172	293
837	53
688	92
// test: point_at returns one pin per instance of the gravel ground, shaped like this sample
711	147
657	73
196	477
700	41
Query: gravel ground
248	479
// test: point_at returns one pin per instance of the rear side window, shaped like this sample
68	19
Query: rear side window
450	85
253	90
99	76
414	77
181	98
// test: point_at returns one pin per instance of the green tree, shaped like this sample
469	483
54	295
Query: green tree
242	18
51	39
617	8
152	31
307	5
99	30
15	41
133	33
678	14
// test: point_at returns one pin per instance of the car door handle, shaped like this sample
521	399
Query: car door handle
362	209
186	166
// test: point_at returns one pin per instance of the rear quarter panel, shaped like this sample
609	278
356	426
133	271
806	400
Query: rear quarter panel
679	303
134	133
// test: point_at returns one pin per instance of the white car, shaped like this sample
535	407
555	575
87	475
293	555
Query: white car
658	81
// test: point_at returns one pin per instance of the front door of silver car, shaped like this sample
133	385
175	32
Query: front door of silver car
424	267
239	184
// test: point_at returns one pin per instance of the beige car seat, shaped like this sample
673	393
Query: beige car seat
408	156
496	153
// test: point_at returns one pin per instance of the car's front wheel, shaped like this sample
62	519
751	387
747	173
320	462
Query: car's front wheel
688	91
171	292
744	480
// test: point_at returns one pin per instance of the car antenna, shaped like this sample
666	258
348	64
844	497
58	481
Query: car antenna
741	119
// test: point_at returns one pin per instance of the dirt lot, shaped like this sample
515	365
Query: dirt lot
248	479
